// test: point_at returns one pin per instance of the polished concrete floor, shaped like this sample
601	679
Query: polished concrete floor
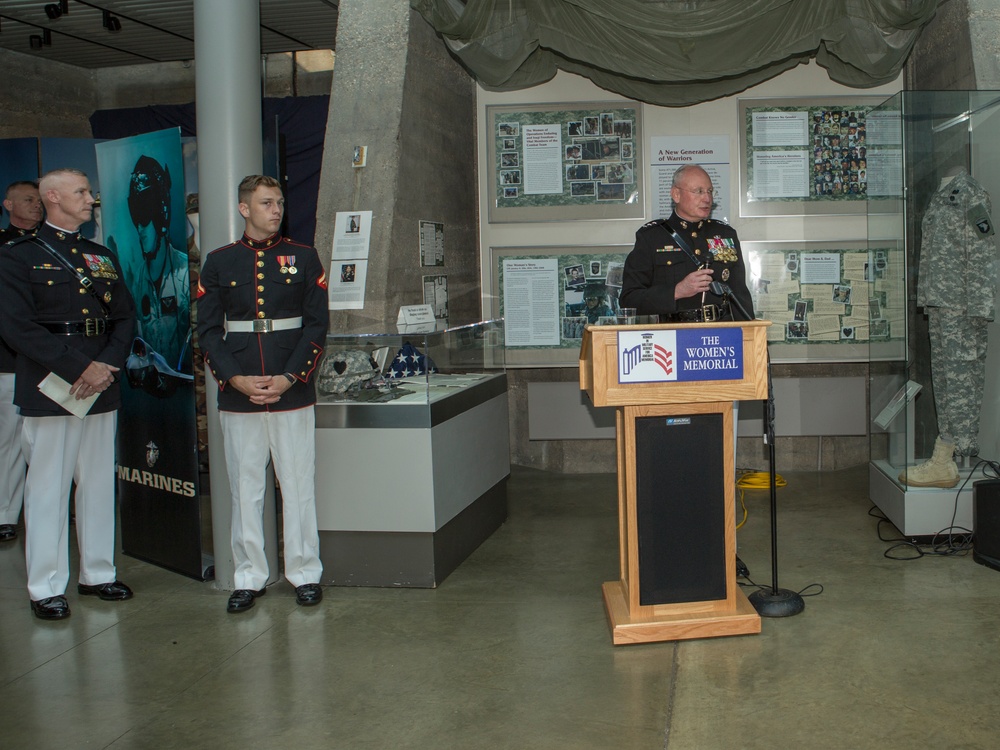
513	651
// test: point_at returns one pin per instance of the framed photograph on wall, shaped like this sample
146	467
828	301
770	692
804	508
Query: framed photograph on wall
831	155
562	162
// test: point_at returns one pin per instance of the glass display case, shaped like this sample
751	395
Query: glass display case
410	369
933	161
412	452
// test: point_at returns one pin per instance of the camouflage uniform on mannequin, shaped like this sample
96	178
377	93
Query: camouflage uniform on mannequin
956	287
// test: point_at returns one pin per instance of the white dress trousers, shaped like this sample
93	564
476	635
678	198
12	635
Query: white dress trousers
12	463
289	438
59	451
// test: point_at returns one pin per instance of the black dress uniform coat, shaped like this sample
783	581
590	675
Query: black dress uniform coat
37	289
656	265
9	234
244	281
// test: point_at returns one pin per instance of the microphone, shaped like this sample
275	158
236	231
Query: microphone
725	291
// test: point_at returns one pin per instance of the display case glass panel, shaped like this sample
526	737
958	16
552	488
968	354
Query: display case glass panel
411	369
936	209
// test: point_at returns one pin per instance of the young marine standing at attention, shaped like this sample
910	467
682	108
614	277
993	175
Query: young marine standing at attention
262	323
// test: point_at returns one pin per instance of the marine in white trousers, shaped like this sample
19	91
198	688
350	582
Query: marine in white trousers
59	451
250	440
12	464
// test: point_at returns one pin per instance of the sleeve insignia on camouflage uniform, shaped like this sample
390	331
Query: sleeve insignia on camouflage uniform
100	266
979	217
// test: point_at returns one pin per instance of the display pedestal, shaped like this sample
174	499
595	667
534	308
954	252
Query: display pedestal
920	512
406	492
676	491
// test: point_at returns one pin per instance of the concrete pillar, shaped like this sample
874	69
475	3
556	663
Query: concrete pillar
228	98
397	91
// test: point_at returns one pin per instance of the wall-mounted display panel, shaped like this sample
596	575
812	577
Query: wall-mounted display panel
547	295
565	162
830	155
836	301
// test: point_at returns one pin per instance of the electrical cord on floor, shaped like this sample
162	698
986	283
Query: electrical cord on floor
755	480
750	584
951	541
761	480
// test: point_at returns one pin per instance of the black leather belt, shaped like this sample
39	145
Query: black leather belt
89	327
706	314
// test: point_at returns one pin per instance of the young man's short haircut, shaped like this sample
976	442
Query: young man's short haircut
254	181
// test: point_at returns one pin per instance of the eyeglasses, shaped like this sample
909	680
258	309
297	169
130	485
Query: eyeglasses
699	192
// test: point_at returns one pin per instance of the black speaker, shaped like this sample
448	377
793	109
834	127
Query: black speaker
986	522
680	508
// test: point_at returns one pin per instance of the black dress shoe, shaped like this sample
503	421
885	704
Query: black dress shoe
243	599
8	532
308	594
53	608
115	591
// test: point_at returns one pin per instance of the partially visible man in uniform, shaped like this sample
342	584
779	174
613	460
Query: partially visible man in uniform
663	277
67	313
24	205
25	208
262	322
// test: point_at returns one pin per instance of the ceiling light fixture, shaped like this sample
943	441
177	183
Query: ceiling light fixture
111	23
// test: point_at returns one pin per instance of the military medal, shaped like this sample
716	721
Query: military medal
283	260
291	265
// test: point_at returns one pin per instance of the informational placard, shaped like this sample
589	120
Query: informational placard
547	296
431	243
436	295
710	152
817	156
829	301
564	162
349	266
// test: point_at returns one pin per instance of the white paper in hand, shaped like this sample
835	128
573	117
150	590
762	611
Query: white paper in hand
57	389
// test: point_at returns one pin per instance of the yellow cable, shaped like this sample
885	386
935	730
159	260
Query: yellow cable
756	480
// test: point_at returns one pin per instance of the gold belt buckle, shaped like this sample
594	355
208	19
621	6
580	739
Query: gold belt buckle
263	325
710	313
93	327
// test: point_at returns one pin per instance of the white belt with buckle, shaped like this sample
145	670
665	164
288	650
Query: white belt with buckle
263	325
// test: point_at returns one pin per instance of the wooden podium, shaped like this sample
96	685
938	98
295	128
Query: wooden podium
676	483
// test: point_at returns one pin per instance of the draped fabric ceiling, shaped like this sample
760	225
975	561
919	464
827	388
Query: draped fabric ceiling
677	52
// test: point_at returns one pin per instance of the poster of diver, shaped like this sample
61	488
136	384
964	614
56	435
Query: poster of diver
144	222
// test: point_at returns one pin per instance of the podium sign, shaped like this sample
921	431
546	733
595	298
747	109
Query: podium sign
674	387
662	356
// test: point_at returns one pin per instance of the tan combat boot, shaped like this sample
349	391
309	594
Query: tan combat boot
940	470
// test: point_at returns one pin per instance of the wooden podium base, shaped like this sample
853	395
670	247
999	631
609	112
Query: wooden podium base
677	622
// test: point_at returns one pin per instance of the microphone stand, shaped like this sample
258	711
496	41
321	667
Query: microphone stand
775	602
